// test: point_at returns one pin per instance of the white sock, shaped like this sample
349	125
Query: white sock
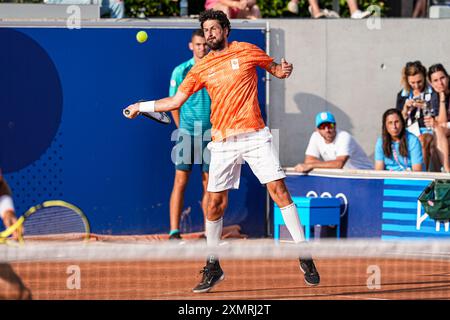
292	222
213	232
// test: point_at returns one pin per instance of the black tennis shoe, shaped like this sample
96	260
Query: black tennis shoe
312	277
212	275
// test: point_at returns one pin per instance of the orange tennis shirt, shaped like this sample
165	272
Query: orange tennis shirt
232	83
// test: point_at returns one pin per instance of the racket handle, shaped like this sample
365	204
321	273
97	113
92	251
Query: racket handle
126	112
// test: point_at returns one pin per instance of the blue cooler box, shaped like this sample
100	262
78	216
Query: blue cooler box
312	211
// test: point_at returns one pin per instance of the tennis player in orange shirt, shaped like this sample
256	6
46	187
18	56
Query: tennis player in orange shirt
238	133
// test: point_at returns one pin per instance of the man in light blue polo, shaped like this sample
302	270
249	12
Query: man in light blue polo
330	148
193	122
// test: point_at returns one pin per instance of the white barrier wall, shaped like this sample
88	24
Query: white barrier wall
345	67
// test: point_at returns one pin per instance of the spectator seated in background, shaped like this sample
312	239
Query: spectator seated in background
108	8
235	9
439	80
337	148
318	13
397	149
416	101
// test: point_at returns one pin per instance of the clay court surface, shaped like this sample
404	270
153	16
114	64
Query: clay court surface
247	280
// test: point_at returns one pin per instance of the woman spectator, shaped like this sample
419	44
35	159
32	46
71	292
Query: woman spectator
397	149
415	100
439	80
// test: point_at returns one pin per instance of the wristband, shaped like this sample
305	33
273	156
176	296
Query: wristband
147	106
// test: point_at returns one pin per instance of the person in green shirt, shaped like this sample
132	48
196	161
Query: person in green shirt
193	123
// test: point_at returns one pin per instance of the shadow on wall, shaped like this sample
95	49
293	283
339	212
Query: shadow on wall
301	123
310	104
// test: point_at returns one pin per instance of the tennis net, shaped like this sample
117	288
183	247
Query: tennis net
254	269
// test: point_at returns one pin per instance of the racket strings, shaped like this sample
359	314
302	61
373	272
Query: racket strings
161	117
54	220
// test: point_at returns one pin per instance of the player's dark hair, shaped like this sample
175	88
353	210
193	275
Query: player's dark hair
198	33
215	15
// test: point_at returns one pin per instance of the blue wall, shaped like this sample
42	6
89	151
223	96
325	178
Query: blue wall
63	136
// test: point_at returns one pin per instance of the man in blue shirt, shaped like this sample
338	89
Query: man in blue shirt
193	122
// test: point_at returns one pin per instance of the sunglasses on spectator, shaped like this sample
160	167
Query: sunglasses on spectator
327	125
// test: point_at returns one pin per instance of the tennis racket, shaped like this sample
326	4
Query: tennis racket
160	117
50	220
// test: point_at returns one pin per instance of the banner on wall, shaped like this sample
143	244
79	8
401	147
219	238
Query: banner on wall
374	204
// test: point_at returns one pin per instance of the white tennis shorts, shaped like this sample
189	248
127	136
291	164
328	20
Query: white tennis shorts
227	156
6	203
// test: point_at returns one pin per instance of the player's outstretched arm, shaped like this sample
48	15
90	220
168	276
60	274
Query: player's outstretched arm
166	104
282	70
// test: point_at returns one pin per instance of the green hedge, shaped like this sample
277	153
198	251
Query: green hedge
150	8
269	8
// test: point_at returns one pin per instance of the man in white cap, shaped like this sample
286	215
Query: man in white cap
330	148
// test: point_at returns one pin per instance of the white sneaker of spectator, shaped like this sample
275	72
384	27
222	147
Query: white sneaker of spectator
358	14
325	13
330	13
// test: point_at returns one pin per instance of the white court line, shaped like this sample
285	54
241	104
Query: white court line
240	297
331	297
201	297
364	298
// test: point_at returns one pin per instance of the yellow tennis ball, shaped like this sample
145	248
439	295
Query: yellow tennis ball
141	36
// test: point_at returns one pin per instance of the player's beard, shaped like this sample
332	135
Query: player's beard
216	44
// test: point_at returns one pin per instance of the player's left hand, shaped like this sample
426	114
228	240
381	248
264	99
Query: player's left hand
286	68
